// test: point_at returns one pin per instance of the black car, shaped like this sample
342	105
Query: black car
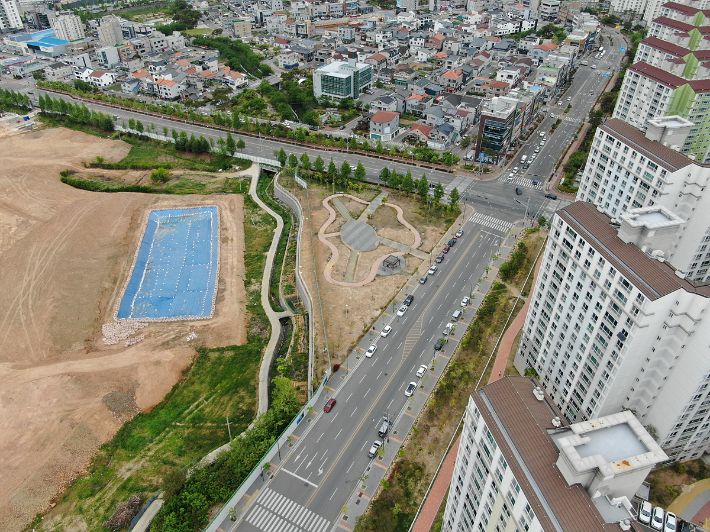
452	242
519	191
440	258
551	196
409	299
439	344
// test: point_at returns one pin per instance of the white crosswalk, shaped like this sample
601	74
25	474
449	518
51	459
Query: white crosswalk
272	511
459	182
522	182
490	221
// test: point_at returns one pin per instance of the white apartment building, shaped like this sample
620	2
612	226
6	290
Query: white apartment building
614	326
624	6
628	169
109	32
67	27
10	16
520	467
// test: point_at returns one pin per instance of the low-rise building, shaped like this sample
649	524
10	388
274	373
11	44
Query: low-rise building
58	72
169	89
384	125
342	80
101	78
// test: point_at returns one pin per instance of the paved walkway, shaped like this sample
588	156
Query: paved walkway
694	505
403	247
342	210
372	207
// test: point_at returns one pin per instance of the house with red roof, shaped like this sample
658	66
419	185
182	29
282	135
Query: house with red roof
384	125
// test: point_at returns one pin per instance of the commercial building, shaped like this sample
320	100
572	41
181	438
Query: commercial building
495	128
242	29
519	466
9	16
342	80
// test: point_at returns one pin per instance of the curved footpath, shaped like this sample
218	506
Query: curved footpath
273	316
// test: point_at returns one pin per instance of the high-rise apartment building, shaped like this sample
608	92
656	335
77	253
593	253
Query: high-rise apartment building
9	16
109	31
520	467
67	27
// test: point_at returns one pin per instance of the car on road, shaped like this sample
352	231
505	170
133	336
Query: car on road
422	280
409	299
657	519
446	249
433	269
410	389
510	178
459	233
329	405
452	242
526	166
447	330
439	258
542	134
402	310
551	196
518	191
569	98
542	143
535	182
515	170
385	331
671	523
439	344
645	511
421	371
537	150
465	301
373	450
370	350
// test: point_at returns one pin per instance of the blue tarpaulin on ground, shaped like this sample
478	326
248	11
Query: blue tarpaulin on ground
175	274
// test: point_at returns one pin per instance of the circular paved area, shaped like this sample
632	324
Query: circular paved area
359	236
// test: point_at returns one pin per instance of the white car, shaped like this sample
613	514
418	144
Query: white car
657	519
370	350
515	170
410	389
385	331
465	301
537	150
671	523
645	513
509	178
402	310
433	269
373	450
421	371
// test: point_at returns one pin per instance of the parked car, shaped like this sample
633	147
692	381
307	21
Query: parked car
440	258
446	249
671	523
465	301
373	450
329	405
459	233
537	150
370	350
645	511
410	389
402	310
657	519
433	269
385	331
423	280
421	371
409	299
439	344
452	242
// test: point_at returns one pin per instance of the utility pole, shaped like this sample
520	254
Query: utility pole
229	430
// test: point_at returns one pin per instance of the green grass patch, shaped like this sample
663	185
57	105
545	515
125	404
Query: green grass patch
198	31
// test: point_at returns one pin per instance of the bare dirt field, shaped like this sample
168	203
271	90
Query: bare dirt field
66	254
365	303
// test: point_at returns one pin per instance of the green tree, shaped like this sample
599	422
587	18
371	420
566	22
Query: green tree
423	187
241	144
293	160
332	169
131	124
182	142
165	131
454	197
305	161
230	145
345	172
319	164
408	183
395	180
360	172
139	126
438	193
161	175
301	135
281	157
385	174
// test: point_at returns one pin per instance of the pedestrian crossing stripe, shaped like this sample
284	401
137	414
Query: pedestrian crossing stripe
273	511
490	221
522	181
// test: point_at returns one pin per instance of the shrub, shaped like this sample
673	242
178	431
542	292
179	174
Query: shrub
161	175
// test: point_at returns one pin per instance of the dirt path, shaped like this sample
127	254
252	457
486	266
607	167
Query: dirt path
65	255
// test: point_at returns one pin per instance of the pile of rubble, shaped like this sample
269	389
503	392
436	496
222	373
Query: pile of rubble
134	340
120	330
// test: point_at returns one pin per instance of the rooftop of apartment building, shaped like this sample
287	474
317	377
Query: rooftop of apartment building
541	450
655	279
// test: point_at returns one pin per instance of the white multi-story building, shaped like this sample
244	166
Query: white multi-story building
67	27
613	325
9	16
626	6
520	467
342	80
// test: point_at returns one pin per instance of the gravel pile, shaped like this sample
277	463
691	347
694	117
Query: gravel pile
120	330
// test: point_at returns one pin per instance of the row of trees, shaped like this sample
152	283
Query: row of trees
76	113
14	101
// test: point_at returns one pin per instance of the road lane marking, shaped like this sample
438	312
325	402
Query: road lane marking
299	477
351	415
319	437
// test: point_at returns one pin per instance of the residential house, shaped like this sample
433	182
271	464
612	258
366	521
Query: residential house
287	60
58	72
510	75
451	80
541	51
435	41
378	61
459	118
384	125
233	78
385	75
101	78
441	137
403	76
420	132
169	89
417	104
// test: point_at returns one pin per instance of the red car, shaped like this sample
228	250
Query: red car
446	249
329	405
